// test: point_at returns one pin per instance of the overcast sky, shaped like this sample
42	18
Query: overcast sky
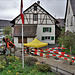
9	9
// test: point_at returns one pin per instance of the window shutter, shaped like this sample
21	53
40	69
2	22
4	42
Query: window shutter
43	29
43	38
52	38
50	29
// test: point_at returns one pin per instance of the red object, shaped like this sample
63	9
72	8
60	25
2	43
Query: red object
73	61
21	12
41	54
54	55
65	58
58	47
35	53
53	48
41	50
47	56
8	43
35	50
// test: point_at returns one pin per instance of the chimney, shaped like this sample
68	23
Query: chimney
38	2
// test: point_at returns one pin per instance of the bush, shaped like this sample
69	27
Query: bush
1	67
10	59
43	67
68	40
30	61
21	70
2	64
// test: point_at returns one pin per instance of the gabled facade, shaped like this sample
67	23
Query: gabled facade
70	16
38	23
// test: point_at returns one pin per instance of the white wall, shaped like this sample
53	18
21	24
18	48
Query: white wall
68	17
40	33
12	30
29	39
19	45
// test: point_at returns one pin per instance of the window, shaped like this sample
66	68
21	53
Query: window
69	11
35	17
52	38
48	37
50	29
45	37
71	21
67	22
46	29
43	29
35	8
20	40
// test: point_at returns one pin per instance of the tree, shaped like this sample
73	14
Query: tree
67	39
7	30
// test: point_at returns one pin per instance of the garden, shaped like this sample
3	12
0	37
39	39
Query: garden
13	66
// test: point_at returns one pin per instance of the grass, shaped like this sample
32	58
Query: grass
15	68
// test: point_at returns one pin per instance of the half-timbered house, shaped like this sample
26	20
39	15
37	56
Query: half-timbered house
38	23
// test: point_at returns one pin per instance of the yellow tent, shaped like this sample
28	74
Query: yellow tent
35	43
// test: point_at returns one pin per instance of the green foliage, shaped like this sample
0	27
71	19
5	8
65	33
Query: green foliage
1	67
10	59
7	30
67	39
10	38
15	68
30	61
43	67
2	64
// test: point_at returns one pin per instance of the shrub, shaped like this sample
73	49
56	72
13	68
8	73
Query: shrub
30	61
20	70
10	59
68	40
43	67
3	62
1	67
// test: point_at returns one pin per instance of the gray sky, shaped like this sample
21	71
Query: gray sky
9	9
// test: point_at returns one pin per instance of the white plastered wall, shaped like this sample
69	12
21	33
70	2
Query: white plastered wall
40	33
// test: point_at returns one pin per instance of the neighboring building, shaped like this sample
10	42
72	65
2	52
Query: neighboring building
70	16
61	23
38	23
3	24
